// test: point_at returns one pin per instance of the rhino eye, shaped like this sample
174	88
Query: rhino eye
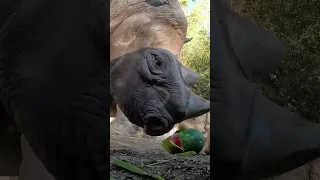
158	63
156	3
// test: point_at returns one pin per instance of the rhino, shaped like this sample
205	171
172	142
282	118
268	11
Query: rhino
148	82
253	137
55	81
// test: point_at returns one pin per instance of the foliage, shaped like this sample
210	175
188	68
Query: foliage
184	3
297	24
196	53
136	170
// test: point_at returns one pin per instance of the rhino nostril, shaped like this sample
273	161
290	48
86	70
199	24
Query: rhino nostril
157	123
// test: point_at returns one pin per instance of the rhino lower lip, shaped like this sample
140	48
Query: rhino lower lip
154	132
156	125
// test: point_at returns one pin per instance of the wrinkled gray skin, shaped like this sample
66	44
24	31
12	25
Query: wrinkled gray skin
147	81
151	91
252	137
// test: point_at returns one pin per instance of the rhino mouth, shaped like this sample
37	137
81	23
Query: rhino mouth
157	125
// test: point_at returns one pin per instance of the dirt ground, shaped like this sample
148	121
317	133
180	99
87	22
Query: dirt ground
128	144
148	155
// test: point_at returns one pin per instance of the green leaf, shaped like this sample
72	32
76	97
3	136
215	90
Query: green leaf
111	178
170	147
130	167
184	3
189	153
135	169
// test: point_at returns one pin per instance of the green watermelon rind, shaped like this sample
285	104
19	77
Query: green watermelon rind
192	140
170	147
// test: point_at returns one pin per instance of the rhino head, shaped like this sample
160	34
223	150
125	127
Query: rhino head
147	80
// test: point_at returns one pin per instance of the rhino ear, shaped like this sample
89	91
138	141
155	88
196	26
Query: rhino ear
156	3
187	40
191	78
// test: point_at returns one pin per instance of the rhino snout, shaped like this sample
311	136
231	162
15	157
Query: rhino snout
196	106
156	126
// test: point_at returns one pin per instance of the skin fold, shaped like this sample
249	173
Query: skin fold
252	136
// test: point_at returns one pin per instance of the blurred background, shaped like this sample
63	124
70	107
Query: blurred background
296	84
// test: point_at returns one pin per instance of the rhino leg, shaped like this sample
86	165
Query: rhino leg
207	144
113	109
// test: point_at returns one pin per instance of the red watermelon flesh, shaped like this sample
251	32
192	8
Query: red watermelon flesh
176	140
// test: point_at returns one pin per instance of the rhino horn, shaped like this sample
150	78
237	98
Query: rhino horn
187	40
190	78
196	106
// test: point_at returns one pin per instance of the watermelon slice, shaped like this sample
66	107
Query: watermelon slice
184	141
170	146
192	140
176	140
